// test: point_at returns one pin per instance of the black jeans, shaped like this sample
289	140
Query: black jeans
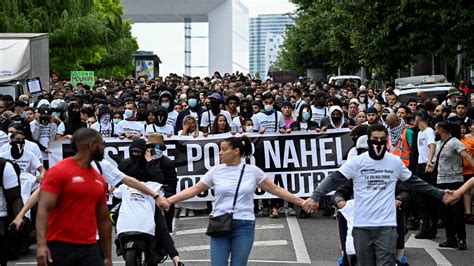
428	206
163	236
453	215
64	253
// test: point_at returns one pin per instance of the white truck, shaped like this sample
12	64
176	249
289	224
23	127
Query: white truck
23	57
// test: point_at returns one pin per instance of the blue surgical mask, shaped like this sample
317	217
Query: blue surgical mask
192	102
158	154
56	114
166	105
128	113
116	121
306	116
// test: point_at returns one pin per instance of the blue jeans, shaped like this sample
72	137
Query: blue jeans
238	244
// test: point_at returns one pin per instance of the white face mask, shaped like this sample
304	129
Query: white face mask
249	129
362	99
268	107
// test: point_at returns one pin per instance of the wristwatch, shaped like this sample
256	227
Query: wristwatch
156	196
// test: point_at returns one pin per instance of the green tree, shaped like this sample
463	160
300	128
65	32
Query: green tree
84	35
385	36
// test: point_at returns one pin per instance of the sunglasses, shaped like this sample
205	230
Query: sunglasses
155	146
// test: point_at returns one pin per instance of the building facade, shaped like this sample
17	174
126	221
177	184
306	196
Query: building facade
266	38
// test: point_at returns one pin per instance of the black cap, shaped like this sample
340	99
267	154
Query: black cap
44	110
138	145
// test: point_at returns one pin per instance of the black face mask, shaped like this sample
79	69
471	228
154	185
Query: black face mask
215	109
44	120
17	148
336	119
135	158
437	137
74	115
377	148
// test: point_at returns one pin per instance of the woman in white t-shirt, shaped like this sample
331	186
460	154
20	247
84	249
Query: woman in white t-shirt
224	178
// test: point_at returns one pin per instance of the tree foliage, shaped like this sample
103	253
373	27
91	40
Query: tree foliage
385	36
84	35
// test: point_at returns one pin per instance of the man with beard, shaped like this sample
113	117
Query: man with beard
160	126
27	160
207	119
450	152
400	137
72	207
374	175
104	123
67	128
194	110
232	102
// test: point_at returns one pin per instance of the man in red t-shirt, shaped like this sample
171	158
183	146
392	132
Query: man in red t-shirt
72	206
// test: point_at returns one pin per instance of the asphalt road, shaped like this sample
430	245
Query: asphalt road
293	241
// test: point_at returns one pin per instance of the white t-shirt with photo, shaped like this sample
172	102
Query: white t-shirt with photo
29	146
137	213
262	120
152	128
224	180
425	138
10	180
374	188
208	114
28	162
318	114
130	127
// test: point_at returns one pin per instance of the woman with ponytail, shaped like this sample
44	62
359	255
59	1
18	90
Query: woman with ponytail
224	178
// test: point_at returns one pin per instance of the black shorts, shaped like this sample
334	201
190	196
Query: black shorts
467	177
64	253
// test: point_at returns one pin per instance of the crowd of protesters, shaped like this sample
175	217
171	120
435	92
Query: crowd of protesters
434	137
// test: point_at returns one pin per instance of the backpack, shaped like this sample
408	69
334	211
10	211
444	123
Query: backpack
13	236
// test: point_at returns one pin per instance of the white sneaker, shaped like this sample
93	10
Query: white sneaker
182	212
190	213
281	210
291	212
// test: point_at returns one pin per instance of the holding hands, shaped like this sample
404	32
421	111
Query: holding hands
310	205
451	197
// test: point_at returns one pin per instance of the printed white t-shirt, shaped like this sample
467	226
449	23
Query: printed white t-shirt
262	120
28	185
152	128
28	162
425	138
172	116
10	180
111	174
224	180
130	127
137	213
29	146
374	188
208	114
318	114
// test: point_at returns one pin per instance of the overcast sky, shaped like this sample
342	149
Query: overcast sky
167	39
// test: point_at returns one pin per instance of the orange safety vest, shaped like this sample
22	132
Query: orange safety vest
402	148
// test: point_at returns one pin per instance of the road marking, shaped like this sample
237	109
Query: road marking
431	247
203	230
302	255
255	244
438	257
